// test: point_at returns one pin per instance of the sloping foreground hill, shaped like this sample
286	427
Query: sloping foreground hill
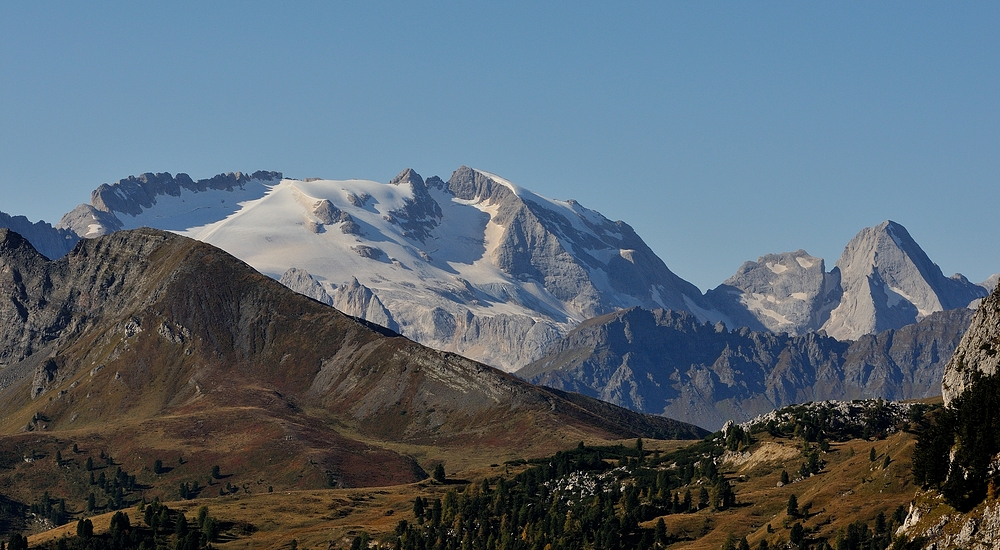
849	493
144	345
665	362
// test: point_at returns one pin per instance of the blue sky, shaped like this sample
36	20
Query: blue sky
719	131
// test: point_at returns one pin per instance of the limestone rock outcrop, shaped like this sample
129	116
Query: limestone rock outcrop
979	351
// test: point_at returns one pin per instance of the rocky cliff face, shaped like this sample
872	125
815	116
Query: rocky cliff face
669	363
888	282
789	292
979	351
978	530
883	280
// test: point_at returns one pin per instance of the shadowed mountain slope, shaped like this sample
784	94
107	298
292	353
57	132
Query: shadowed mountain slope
666	362
147	330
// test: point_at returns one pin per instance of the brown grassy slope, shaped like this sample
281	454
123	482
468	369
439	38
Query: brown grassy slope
158	346
849	488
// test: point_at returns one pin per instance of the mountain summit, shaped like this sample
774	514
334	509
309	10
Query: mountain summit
888	282
883	280
148	327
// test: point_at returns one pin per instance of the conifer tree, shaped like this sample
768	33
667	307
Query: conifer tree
793	505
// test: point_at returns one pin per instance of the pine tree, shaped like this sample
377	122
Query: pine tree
418	510
660	532
703	498
797	534
793	506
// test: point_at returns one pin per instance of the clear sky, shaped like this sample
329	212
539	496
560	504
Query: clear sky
719	131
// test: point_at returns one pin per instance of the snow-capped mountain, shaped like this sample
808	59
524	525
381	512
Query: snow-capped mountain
480	266
164	201
475	265
883	280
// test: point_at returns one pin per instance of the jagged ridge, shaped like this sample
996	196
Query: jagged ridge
665	362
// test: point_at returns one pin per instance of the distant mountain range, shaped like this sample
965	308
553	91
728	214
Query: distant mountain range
490	270
669	363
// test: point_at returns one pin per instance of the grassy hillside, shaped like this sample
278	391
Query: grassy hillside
846	488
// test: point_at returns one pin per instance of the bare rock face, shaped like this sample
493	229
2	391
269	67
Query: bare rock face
563	246
420	214
302	282
883	280
889	282
359	301
979	351
789	292
665	362
45	303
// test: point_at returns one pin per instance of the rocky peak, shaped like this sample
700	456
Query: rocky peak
888	281
131	196
468	184
51	242
788	292
135	193
408	176
883	280
302	282
13	244
420	214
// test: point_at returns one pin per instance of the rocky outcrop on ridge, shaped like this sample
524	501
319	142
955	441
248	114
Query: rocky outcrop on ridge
111	205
